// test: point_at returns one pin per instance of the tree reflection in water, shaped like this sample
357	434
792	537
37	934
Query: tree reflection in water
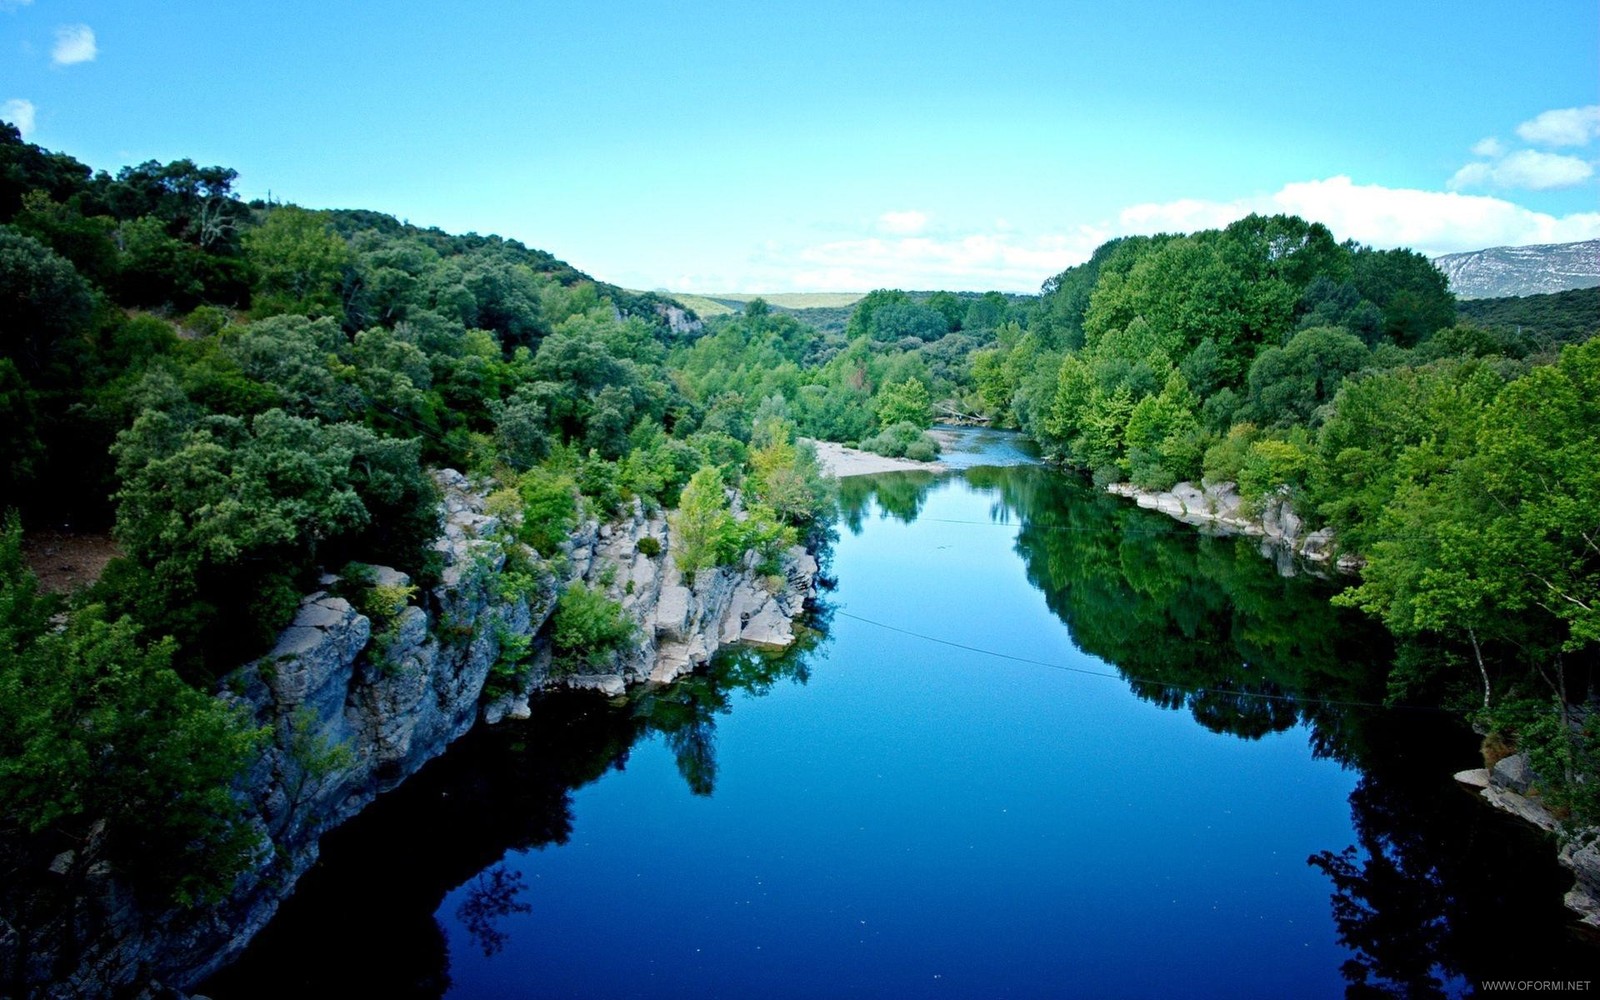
1207	624
1193	623
362	921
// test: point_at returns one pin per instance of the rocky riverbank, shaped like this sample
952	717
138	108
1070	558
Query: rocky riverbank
1512	786
1219	507
358	702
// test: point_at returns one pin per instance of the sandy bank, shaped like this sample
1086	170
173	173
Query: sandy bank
837	460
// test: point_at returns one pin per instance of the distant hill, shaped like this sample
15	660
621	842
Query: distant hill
1536	270
1539	322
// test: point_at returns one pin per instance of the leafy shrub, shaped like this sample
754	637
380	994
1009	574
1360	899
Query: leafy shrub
586	629
549	509
897	440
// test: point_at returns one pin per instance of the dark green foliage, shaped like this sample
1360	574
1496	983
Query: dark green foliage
108	755
1536	323
25	168
44	304
1288	384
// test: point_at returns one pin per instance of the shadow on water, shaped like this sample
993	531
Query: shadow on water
361	922
1437	892
1425	899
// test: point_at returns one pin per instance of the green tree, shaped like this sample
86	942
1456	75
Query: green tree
904	403
300	263
703	528
106	754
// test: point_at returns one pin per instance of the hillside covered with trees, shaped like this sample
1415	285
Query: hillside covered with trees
247	395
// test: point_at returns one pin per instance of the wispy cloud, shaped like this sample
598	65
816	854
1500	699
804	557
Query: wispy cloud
19	113
1563	127
1432	222
10	6
1528	169
1489	148
74	44
903	223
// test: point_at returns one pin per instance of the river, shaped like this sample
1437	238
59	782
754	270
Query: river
1040	743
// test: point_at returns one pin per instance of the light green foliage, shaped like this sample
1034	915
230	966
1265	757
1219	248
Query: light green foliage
788	479
1226	457
587	629
1401	427
704	532
549	509
1496	549
309	760
299	261
901	440
1274	466
904	403
1163	437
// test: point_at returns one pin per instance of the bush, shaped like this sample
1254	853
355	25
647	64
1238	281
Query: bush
1272	466
649	546
549	509
587	629
1225	458
897	440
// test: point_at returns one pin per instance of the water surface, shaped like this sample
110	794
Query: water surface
1042	744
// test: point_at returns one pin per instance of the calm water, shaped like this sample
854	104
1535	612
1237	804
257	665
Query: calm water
1042	744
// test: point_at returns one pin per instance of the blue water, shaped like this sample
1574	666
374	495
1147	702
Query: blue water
955	793
919	820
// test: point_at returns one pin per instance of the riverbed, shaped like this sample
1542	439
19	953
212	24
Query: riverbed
1039	743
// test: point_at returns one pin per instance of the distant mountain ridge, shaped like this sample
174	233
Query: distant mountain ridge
1533	270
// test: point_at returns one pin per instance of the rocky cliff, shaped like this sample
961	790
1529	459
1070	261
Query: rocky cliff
356	706
1531	270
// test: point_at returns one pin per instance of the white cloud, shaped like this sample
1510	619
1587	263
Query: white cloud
19	113
1528	169
1563	127
974	262
903	223
13	5
74	44
1432	222
1490	147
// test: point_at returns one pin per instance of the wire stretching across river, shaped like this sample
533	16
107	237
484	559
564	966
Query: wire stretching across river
1288	699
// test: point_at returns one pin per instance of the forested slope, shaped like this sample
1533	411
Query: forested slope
247	395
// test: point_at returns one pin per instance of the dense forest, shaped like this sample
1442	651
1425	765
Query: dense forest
247	396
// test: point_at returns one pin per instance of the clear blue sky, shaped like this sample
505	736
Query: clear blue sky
844	145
